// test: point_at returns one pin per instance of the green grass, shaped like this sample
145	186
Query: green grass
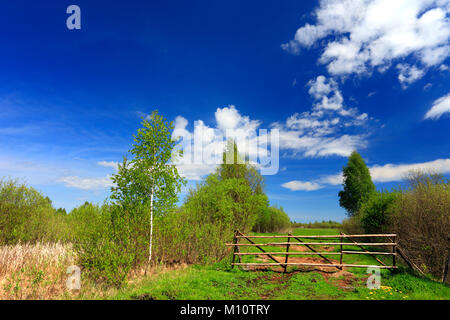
220	282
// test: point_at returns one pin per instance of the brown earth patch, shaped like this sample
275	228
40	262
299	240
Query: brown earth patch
296	260
303	248
345	280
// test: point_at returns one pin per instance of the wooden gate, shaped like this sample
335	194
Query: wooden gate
310	241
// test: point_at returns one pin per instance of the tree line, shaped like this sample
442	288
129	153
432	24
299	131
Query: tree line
417	211
139	224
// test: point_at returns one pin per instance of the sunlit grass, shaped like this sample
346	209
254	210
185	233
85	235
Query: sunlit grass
219	281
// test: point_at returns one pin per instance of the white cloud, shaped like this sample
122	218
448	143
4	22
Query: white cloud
299	185
324	131
427	86
111	164
386	173
320	133
180	127
396	172
371	34
320	87
326	94
204	146
341	146
320	141
333	179
229	118
409	74
87	183
440	106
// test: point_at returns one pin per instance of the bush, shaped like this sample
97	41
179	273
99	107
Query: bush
422	221
184	236
374	213
198	231
271	219
352	225
103	242
27	216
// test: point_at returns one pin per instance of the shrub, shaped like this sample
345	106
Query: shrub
198	231
352	225
422	221
374	213
184	236
103	243
271	219
27	216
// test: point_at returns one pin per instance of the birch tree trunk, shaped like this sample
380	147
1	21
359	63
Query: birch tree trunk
151	214
151	231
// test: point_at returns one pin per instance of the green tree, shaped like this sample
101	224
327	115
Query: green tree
235	167
149	179
230	201
26	215
376	210
358	185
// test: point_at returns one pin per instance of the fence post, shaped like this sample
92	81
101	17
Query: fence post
341	240
394	250
235	240
444	276
238	249
287	251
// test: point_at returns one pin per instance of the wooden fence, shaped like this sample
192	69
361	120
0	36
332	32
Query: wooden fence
302	240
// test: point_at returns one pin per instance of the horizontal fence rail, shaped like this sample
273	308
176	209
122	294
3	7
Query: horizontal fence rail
311	243
312	253
326	236
314	265
327	262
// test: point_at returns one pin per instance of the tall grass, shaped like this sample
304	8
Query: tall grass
34	271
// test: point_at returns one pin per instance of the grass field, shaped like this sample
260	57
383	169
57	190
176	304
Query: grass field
219	281
39	272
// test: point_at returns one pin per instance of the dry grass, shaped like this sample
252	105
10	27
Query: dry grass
38	272
35	271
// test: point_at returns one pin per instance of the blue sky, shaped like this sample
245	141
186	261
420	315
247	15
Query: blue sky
331	76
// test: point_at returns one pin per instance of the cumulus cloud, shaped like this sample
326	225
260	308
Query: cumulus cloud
440	106
87	183
203	147
409	74
368	34
321	87
328	129
91	183
111	164
326	93
396	172
299	185
320	132
385	173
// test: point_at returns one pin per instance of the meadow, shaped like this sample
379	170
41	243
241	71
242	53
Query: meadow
136	246
39	272
220	282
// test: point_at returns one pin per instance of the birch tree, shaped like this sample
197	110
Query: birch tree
149	179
